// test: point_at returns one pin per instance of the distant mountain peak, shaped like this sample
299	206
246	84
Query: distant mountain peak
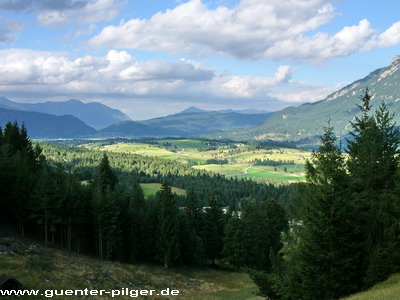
74	101
192	110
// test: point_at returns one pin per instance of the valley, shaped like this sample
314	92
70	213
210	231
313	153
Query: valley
227	149
241	160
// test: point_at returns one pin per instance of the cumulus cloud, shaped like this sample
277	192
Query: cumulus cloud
61	12
390	37
9	30
118	75
322	46
302	94
254	29
244	31
23	66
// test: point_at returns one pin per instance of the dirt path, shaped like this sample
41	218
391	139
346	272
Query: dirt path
245	171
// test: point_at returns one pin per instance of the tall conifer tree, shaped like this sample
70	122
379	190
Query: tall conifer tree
168	240
325	262
373	163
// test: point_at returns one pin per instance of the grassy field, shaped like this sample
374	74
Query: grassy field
275	154
43	269
269	174
240	159
153	188
183	155
387	290
227	170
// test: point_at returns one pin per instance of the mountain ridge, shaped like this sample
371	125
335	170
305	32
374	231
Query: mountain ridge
193	124
195	110
41	125
308	120
94	114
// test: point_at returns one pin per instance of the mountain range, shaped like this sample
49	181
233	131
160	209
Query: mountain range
94	114
74	118
193	109
188	123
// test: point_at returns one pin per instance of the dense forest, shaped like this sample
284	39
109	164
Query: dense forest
91	202
331	236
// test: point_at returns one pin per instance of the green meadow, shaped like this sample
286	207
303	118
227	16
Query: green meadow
233	169
239	158
152	189
269	174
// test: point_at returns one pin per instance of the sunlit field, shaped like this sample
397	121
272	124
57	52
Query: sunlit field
239	160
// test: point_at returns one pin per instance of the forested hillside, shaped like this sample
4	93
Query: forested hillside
47	126
91	202
197	123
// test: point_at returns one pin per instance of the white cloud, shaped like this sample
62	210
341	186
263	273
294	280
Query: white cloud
244	31
38	67
302	94
322	46
254	29
284	73
118	75
390	37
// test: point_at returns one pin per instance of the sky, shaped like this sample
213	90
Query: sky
151	58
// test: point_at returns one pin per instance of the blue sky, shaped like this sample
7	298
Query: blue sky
150	58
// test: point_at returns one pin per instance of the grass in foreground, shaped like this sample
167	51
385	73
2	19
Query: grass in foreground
387	290
43	269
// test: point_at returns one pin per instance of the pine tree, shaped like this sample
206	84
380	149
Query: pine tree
264	223
106	209
136	223
373	162
213	231
195	219
168	247
46	203
325	263
106	178
73	213
236	242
